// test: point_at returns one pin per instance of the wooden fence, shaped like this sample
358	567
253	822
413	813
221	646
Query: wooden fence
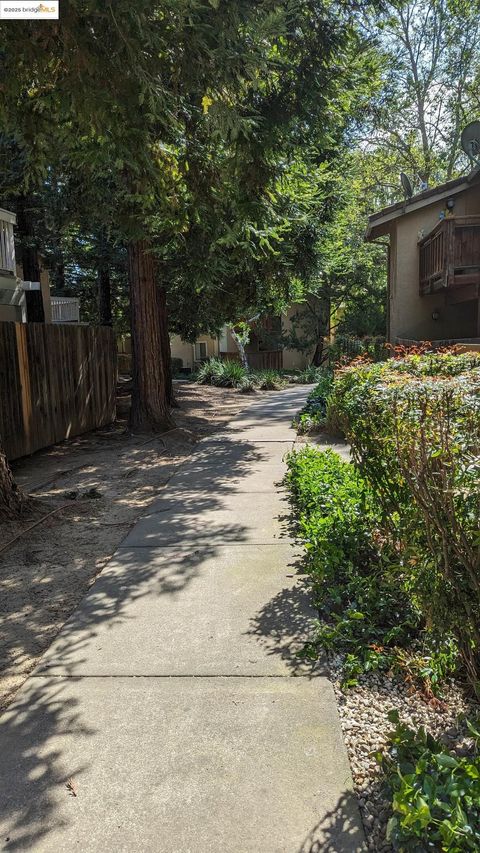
56	381
262	360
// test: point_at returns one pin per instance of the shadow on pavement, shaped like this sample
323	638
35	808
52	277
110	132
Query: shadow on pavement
33	774
34	777
340	831
284	624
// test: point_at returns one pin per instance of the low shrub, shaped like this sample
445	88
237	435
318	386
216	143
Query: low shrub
269	380
308	376
208	372
366	611
224	373
247	384
414	428
393	548
232	374
435	793
312	417
345	348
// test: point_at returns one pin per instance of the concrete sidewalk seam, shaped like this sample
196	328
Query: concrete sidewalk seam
166	676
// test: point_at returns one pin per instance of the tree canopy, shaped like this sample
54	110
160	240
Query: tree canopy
245	142
181	164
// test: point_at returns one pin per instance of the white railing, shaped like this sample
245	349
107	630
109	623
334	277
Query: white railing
7	244
65	309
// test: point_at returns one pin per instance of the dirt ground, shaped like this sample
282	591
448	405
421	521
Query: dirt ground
99	484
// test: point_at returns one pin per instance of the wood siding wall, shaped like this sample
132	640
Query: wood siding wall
56	381
263	360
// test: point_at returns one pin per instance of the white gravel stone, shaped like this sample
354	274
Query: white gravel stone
363	714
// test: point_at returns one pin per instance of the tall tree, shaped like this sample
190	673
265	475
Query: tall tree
431	67
105	315
347	286
250	181
192	111
96	77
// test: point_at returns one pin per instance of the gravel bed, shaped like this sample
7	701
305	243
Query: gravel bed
363	712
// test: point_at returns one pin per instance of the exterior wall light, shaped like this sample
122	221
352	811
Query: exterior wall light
450	203
435	315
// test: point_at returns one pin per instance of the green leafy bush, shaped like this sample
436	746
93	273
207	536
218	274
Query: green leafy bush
435	793
247	383
208	371
345	348
309	375
312	417
366	612
414	427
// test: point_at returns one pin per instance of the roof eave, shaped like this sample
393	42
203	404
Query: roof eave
376	220
412	205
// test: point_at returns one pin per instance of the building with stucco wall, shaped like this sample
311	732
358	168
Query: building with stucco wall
260	354
432	245
27	301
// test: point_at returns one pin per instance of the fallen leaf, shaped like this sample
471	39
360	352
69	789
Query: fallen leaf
72	787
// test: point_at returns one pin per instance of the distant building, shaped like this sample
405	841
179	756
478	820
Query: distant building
261	353
28	301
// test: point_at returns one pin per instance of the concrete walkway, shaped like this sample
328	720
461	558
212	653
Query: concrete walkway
168	703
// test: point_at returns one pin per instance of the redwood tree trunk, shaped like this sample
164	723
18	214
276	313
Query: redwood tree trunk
165	343
58	275
150	409
12	499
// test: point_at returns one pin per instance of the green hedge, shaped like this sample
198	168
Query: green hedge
393	548
414	428
312	417
366	613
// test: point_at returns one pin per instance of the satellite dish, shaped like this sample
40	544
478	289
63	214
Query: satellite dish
407	187
470	140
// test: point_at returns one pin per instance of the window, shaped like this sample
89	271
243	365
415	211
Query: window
201	351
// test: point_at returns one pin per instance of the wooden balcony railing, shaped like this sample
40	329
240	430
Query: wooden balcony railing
65	309
449	256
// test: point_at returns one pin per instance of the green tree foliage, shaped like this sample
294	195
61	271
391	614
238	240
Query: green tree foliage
431	64
250	163
210	142
346	290
426	59
175	127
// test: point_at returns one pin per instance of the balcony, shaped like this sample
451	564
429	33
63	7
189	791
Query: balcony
450	257
65	309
